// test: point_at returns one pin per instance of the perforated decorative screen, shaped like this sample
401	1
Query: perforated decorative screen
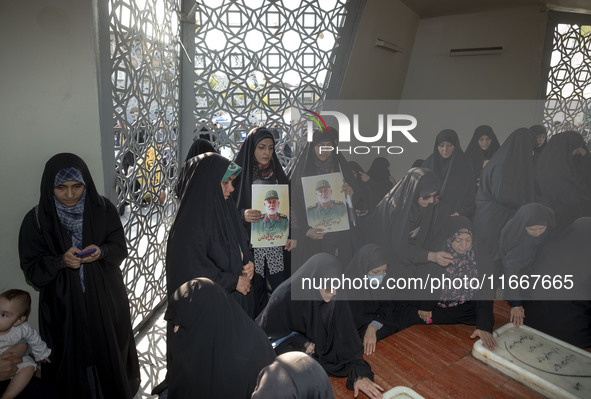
568	91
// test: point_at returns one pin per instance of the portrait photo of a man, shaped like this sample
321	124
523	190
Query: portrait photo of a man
327	212
273	227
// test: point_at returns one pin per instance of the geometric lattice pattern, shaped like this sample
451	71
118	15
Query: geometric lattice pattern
255	59
568	91
145	89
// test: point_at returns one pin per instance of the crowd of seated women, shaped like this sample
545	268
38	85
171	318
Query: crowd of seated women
240	325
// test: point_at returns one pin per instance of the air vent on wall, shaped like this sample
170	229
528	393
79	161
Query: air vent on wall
388	45
454	52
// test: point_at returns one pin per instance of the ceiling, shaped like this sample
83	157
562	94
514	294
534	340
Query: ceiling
436	8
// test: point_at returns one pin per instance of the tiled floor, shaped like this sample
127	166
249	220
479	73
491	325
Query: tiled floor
435	361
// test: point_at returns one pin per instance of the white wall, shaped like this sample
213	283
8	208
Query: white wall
48	104
377	73
514	74
452	92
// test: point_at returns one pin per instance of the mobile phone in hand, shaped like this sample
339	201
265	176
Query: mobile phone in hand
86	253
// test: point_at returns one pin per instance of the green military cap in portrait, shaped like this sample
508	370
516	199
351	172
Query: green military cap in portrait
271	194
322	184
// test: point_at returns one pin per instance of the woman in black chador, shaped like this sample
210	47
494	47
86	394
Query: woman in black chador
315	159
563	177
380	181
293	375
506	184
569	317
371	308
315	323
260	165
215	350
483	145
404	219
521	239
207	238
83	305
457	192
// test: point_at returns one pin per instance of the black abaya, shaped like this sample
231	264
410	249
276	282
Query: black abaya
506	184
93	349
457	177
218	351
474	152
293	375
341	243
390	224
328	325
565	253
207	239
563	179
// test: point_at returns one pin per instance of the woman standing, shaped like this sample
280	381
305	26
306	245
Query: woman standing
315	323
483	145
456	175
207	238
315	159
260	165
83	305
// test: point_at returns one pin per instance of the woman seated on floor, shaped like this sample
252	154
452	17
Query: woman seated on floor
568	317
371	307
456	306
215	350
316	324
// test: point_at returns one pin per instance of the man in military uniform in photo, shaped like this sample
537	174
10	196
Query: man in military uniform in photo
272	222
325	210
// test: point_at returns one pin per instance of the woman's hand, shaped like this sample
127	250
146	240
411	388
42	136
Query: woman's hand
441	258
364	176
309	348
427	316
368	387
252	215
315	234
291	244
243	285
248	270
487	339
517	315
92	257
347	189
369	340
70	259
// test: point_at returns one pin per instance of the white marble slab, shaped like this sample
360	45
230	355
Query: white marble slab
401	392
547	365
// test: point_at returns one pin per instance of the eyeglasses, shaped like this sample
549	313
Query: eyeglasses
429	196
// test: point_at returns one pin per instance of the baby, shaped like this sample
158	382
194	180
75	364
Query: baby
15	306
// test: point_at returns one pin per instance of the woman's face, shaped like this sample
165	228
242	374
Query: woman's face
327	294
321	150
540	139
378	271
428	199
535	230
264	151
227	186
462	243
484	142
446	149
69	193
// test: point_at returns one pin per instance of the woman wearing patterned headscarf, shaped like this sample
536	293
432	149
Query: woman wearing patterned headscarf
83	304
260	164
